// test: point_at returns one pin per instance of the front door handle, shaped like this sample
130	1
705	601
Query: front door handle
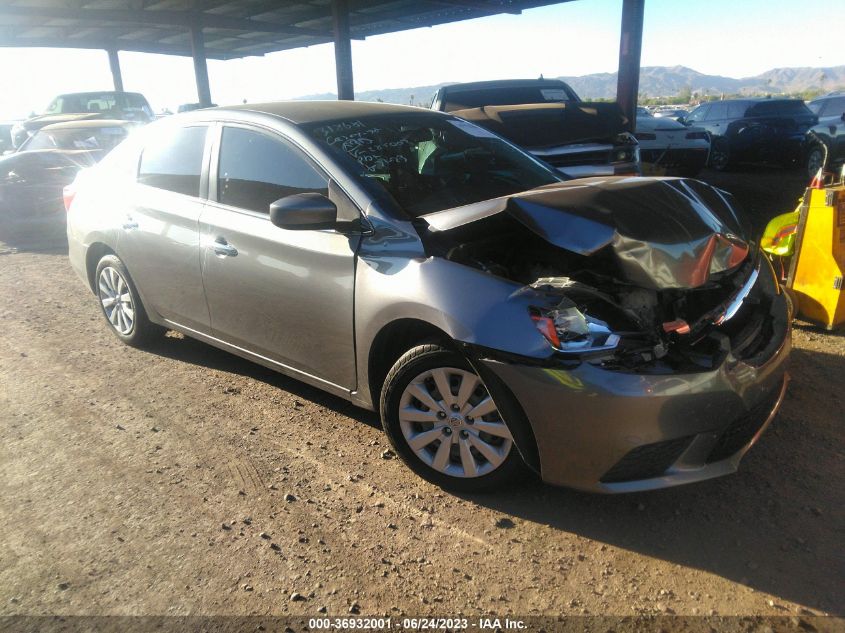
221	247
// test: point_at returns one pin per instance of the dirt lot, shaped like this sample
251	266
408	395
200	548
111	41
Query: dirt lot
183	480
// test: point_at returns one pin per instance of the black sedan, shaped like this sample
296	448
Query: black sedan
32	179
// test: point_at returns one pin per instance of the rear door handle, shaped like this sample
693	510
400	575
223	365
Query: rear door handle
221	247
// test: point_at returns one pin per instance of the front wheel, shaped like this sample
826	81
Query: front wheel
442	421
815	161
121	305
720	154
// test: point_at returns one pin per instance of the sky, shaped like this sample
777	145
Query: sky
735	38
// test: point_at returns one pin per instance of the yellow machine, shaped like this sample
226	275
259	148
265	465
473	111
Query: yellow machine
818	264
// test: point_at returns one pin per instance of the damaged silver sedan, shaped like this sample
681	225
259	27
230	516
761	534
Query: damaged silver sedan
611	334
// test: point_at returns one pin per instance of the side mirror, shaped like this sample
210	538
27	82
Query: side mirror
681	120
303	212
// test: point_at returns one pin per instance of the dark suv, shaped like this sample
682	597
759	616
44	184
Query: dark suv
762	130
829	134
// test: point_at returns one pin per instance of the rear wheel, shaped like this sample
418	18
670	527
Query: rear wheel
444	424
121	305
720	154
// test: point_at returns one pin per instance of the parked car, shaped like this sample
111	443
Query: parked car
827	138
614	334
190	107
33	178
546	117
127	106
671	113
670	148
753	130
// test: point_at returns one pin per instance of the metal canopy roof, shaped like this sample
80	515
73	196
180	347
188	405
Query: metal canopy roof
231	28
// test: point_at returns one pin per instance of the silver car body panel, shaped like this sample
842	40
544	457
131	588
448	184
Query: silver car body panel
278	278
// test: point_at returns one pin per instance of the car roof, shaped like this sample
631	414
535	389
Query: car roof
99	92
752	100
88	123
315	111
503	83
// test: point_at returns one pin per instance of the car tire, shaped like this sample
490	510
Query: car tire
121	305
815	160
720	154
436	435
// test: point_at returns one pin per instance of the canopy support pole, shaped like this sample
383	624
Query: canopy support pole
114	64
200	66
343	50
630	50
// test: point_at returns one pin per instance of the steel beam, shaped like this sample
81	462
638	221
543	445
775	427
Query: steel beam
114	64
200	66
343	50
630	50
159	18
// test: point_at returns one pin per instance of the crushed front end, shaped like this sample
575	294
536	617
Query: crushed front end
668	335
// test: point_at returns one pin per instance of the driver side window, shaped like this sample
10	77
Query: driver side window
256	169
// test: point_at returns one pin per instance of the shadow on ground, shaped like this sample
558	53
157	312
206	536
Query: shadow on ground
776	526
188	350
32	244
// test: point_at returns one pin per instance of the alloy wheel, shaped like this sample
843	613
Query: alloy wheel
815	161
116	299
449	420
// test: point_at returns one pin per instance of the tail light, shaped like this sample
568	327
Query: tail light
68	194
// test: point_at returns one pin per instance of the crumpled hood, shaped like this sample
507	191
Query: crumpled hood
549	124
663	232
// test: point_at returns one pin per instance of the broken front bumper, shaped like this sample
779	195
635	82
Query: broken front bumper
608	431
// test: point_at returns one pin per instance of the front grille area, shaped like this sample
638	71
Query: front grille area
743	429
645	462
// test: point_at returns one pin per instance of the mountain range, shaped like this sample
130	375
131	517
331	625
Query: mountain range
655	81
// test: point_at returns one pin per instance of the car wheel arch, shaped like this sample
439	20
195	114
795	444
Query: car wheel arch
96	251
401	335
392	341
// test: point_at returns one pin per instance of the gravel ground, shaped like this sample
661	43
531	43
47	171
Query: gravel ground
183	480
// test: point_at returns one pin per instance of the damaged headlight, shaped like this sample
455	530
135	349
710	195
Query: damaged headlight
625	149
570	331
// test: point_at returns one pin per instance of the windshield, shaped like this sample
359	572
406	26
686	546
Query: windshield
428	162
88	138
465	99
119	105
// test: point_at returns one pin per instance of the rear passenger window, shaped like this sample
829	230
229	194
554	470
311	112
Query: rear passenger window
255	170
717	111
172	160
833	107
766	108
736	110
